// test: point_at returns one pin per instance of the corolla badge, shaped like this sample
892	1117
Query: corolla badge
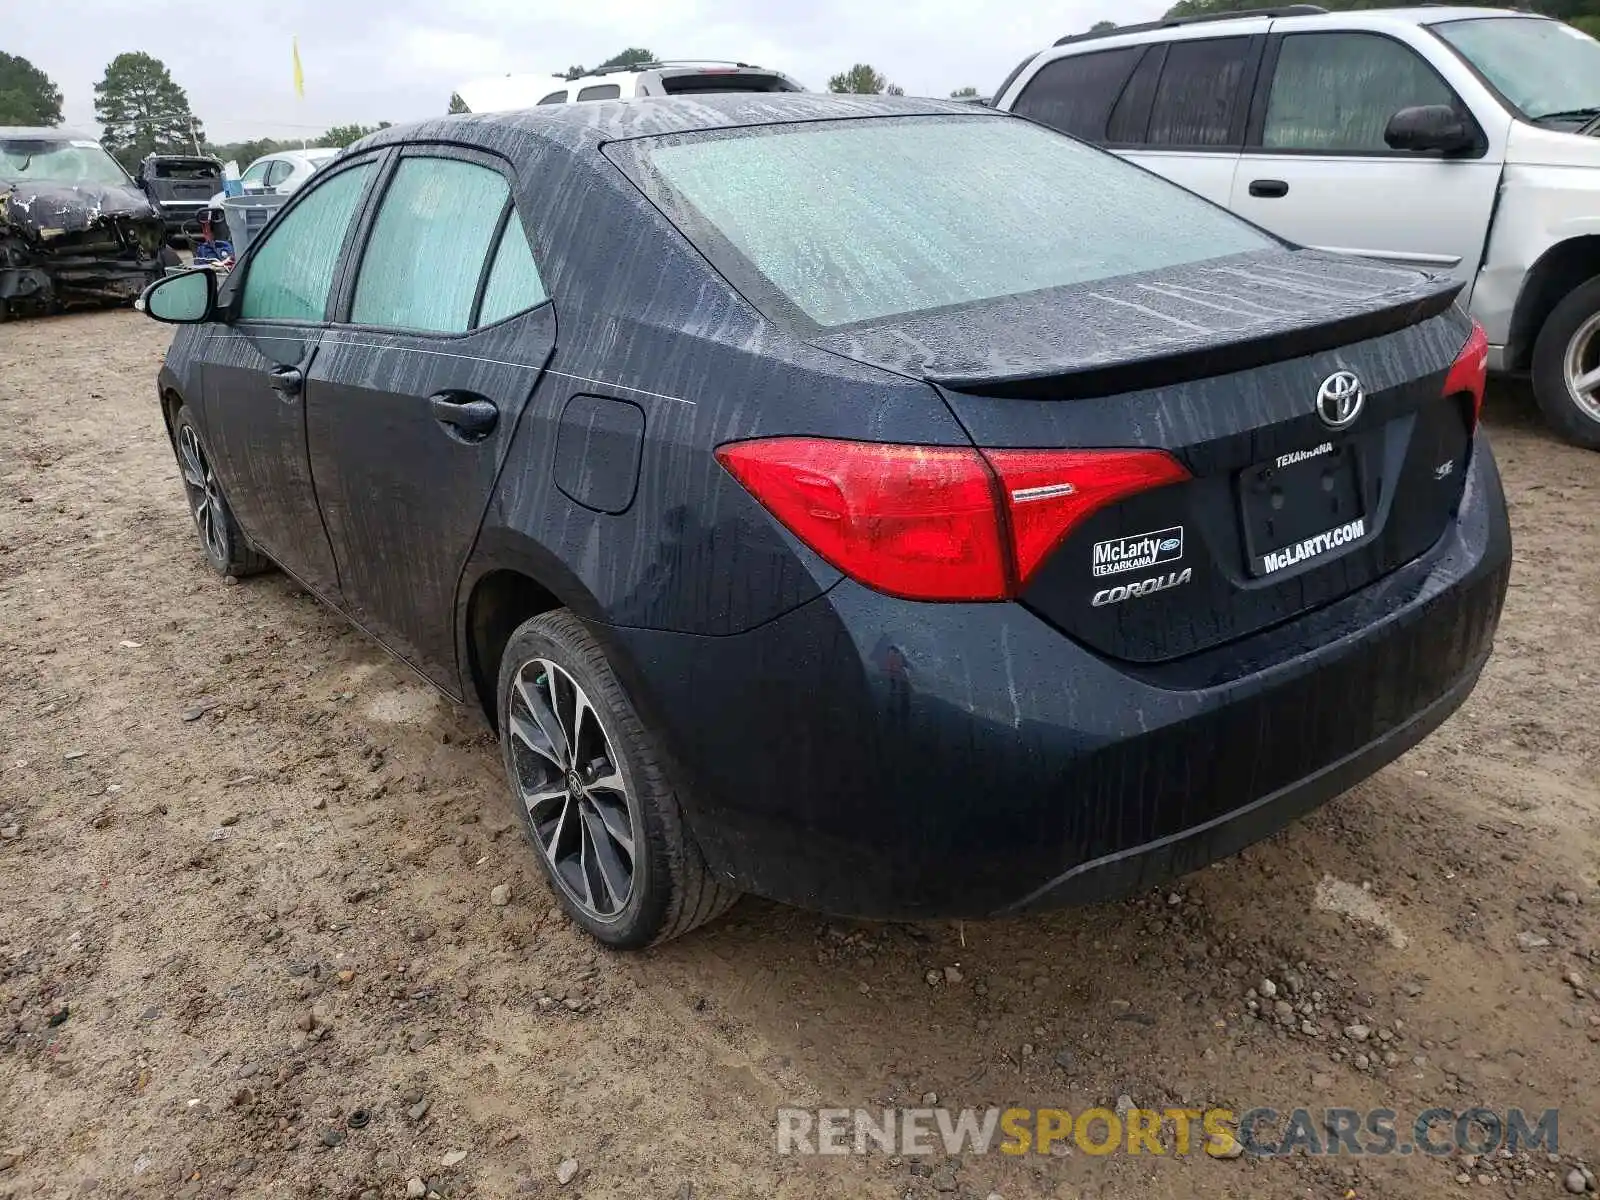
1340	399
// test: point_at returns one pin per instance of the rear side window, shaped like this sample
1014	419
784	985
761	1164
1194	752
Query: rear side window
1200	93
514	282
1132	113
426	252
600	91
856	220
277	172
1337	91
1076	94
290	274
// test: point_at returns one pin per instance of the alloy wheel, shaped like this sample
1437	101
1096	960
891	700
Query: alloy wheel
1582	367
205	499
583	817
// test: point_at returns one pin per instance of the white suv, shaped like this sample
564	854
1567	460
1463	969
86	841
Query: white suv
1459	140
500	93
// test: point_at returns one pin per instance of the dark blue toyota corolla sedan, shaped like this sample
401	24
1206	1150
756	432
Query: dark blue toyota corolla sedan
891	507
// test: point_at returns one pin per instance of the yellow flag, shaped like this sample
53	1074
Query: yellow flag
299	75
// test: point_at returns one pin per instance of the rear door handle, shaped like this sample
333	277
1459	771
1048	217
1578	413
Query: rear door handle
286	381
1269	189
465	417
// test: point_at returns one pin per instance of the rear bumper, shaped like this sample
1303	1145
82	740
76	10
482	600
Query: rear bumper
873	757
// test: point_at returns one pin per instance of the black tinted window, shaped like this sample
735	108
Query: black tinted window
1132	113
1199	93
600	91
1076	94
1337	91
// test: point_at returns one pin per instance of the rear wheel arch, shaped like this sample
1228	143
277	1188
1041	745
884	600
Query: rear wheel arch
1560	269
510	579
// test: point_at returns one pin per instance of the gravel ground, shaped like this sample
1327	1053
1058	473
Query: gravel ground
249	947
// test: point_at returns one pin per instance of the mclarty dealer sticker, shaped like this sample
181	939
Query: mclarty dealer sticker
1138	551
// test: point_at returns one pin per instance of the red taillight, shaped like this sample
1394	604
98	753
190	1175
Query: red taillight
1470	372
1047	492
934	522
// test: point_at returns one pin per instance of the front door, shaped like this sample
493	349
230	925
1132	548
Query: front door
253	377
1318	171
413	401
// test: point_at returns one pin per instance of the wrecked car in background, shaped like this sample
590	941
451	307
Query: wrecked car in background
180	187
74	228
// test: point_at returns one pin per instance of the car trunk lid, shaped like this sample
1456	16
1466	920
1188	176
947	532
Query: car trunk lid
1247	372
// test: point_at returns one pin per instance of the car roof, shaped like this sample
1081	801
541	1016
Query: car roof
1427	14
596	121
47	131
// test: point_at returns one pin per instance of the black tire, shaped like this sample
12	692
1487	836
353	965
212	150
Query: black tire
672	891
1575	319
225	548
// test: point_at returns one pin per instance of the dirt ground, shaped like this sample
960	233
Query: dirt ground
247	943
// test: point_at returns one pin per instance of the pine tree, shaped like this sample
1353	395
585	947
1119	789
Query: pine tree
141	109
27	96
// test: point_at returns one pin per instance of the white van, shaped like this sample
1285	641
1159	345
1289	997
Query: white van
500	93
1459	140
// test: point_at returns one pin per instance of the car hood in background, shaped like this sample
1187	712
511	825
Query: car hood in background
1537	146
1146	330
49	210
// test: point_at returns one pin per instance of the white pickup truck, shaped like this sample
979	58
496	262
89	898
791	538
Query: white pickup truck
1460	140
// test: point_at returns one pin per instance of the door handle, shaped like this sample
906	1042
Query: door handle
286	381
465	417
1269	189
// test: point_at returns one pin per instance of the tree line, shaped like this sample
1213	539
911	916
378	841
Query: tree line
141	110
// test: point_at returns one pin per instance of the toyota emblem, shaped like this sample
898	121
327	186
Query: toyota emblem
1339	399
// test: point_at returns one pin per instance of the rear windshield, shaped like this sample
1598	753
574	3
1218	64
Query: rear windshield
188	170
701	83
859	220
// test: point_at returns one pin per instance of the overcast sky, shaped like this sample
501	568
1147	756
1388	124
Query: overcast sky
400	59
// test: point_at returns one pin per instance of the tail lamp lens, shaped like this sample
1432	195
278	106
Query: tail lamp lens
937	522
1470	372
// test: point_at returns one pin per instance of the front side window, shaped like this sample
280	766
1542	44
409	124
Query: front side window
289	275
256	174
1200	93
424	258
1337	91
1076	94
1549	71
852	221
556	97
600	91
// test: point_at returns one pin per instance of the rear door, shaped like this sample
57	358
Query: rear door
415	395
254	369
1177	107
1316	169
1199	103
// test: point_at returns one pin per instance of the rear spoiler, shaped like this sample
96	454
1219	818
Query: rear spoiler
1213	358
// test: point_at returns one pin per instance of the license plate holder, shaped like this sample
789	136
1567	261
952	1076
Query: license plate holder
1301	510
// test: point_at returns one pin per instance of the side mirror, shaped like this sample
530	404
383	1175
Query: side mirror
184	299
1435	128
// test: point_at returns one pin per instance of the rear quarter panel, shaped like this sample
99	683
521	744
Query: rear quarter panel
645	321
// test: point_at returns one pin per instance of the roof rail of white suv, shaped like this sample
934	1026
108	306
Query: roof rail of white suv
1287	10
634	68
